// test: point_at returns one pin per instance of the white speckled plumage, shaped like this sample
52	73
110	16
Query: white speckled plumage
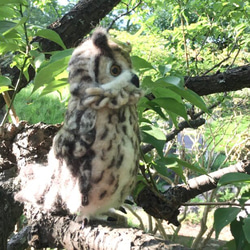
93	163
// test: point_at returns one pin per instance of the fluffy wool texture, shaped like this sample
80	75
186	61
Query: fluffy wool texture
93	163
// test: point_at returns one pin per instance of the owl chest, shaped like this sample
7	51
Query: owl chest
116	147
116	137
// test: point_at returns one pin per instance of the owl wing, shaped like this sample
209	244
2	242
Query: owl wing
72	145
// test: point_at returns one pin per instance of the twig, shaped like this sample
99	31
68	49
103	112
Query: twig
170	136
142	227
124	14
225	59
20	74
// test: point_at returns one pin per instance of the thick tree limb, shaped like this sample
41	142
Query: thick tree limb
63	232
30	143
78	22
232	80
10	211
166	205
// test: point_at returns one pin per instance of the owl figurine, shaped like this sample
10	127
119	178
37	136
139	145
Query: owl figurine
92	165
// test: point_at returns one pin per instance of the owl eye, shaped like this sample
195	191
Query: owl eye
115	70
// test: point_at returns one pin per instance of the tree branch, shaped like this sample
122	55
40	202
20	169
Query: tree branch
166	205
60	231
232	80
63	232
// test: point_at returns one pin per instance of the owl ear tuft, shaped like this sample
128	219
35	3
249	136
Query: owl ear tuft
100	38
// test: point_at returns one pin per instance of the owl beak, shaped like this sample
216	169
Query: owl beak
135	80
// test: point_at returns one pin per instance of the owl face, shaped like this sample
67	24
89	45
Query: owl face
101	63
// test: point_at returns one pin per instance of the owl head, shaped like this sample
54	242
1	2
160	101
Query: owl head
101	68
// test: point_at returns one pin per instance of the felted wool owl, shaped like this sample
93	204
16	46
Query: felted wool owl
92	165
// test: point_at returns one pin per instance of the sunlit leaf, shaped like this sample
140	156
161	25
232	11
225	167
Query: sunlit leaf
51	35
4	89
153	136
164	69
49	72
192	167
174	80
231	178
7	46
170	104
140	64
5	81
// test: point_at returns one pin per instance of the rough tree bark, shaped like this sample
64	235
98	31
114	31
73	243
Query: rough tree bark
231	80
77	23
25	144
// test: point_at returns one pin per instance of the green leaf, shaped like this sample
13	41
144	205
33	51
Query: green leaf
55	85
230	178
5	81
237	231
6	12
246	228
164	69
230	245
194	168
8	46
153	136
156	108
244	197
166	92
6	25
51	35
5	84
162	165
4	2
173	83
174	80
224	216
141	64
147	82
4	89
192	97
49	72
170	104
140	185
